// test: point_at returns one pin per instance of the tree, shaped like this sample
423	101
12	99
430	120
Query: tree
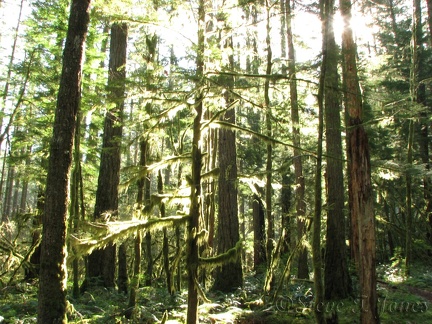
101	263
52	289
269	146
360	188
336	278
229	276
192	248
303	270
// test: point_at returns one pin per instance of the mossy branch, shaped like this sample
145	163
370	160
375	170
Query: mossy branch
231	255
116	231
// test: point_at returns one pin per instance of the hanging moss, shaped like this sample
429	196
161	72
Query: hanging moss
229	256
112	232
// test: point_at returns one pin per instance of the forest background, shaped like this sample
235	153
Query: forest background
266	160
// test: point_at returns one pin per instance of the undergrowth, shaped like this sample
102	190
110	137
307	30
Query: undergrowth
400	301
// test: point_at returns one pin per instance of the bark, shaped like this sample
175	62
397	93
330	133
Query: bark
285	202
408	201
33	272
101	263
269	157
7	208
52	283
336	278
135	282
258	214
316	228
165	243
229	276
360	190
74	201
302	268
122	276
193	227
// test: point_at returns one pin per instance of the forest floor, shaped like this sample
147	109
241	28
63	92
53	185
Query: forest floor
401	300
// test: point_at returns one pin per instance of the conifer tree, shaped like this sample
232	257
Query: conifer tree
101	263
52	289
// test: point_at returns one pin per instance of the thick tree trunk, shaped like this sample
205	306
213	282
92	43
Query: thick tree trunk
360	190
229	276
336	277
52	283
101	263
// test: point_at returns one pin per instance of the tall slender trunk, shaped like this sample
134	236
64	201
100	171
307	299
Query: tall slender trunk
74	201
101	262
193	226
135	282
7	204
360	189
9	71
269	133
165	244
303	270
316	228
52	282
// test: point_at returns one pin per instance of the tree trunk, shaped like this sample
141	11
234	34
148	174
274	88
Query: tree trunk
418	93
165	243
5	130
101	262
192	247
302	269
135	282
336	277
7	207
52	283
316	228
229	276
362	209
258	214
269	156
74	201
33	272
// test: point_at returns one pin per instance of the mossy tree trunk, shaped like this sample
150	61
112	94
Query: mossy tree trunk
52	282
135	282
229	276
101	262
193	227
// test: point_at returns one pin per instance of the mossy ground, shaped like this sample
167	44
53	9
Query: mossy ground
401	300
